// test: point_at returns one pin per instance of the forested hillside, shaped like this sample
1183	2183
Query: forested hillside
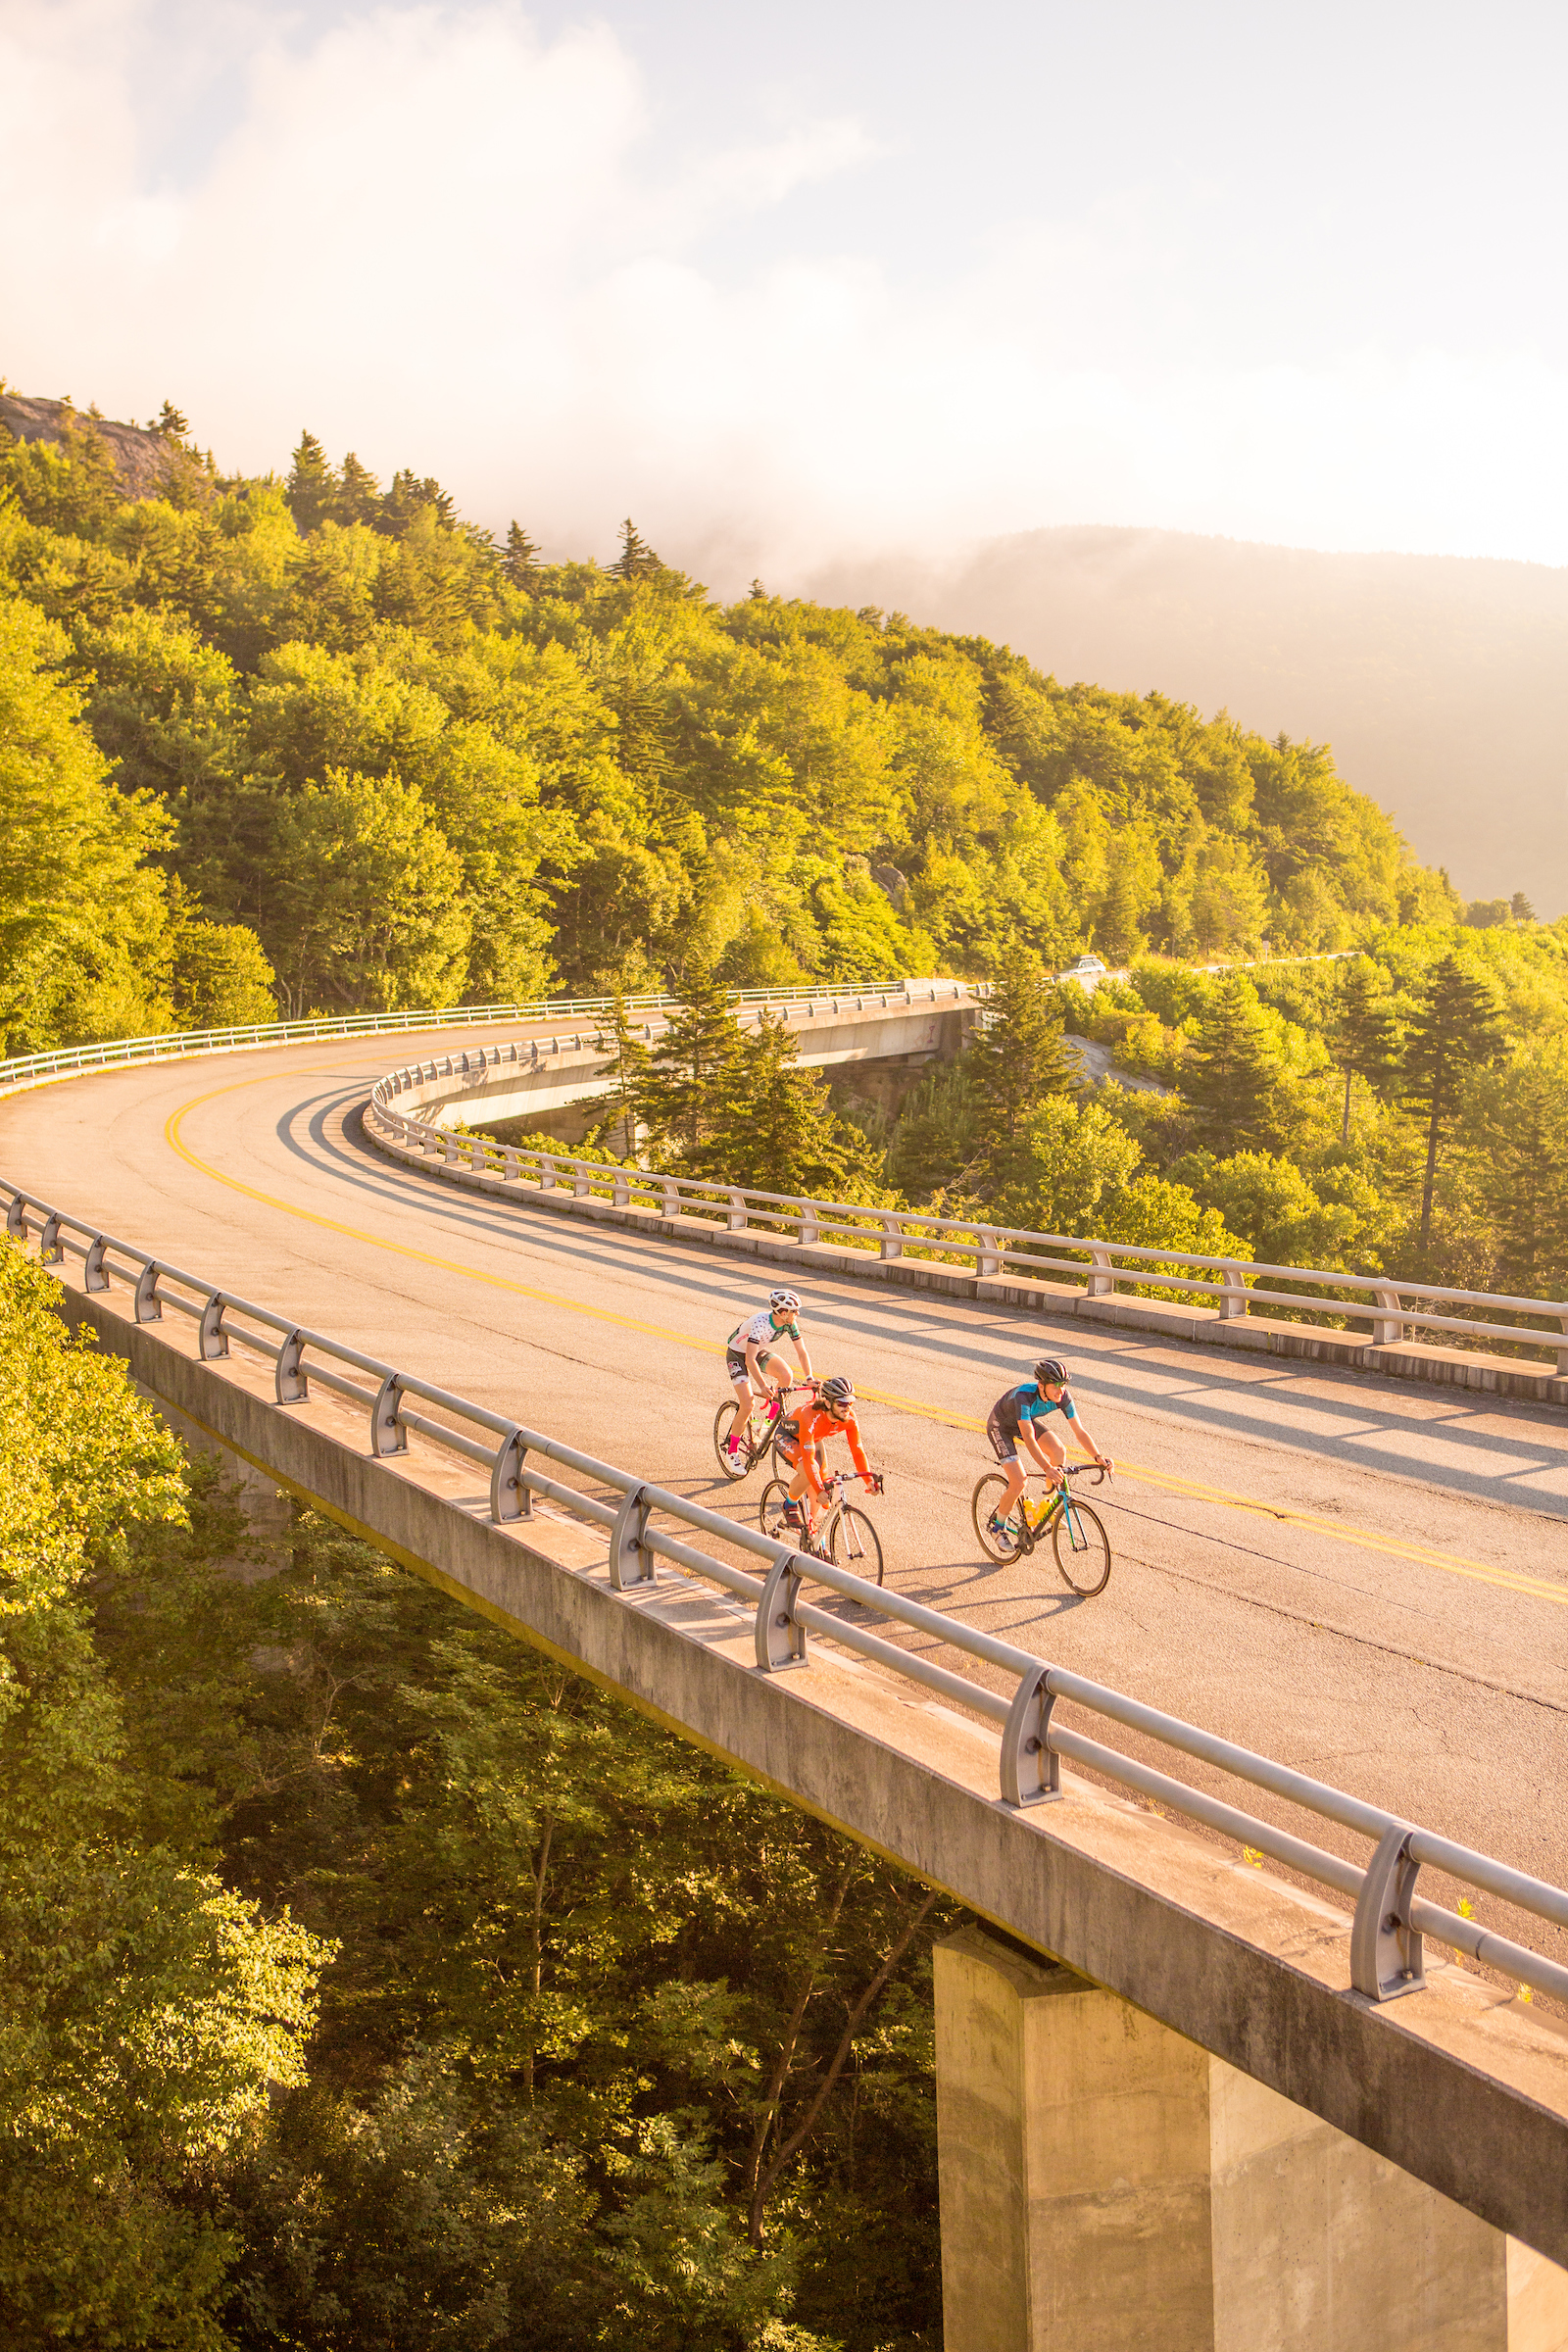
334	734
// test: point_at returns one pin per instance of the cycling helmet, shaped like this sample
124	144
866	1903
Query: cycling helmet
784	1303
1051	1372
837	1393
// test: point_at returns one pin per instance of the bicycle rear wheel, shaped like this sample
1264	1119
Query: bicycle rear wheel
854	1543
1082	1547
736	1464
988	1493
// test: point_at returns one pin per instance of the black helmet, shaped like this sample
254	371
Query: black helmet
836	1394
1051	1372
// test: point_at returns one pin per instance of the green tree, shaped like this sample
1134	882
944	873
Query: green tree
1017	1058
1455	1028
83	912
368	905
1065	1165
636	560
148	2015
778	1132
357	495
694	1076
521	563
1235	1069
1366	1032
1518	1145
312	485
627	1070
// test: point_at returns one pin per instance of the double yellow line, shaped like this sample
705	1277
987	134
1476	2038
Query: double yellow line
1423	1555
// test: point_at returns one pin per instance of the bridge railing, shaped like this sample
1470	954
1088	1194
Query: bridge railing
29	1069
1103	1268
1391	1918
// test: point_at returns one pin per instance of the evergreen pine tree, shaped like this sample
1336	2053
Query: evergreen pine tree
778	1132
636	560
1234	1072
1523	1153
627	1069
408	497
1455	1029
312	484
1017	1058
693	1075
173	423
521	561
1365	1034
358	497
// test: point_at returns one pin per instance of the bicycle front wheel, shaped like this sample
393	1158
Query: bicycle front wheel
771	1515
854	1543
1082	1547
985	1500
736	1464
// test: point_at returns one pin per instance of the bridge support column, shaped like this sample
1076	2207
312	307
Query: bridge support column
1108	2187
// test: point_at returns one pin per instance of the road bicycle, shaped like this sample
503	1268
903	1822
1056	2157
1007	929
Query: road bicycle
1078	1536
844	1533
761	1432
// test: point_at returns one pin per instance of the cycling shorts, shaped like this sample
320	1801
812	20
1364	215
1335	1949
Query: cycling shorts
1003	1445
735	1365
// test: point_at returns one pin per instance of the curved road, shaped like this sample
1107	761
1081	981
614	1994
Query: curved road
1366	1578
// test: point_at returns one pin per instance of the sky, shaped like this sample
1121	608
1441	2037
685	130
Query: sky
788	285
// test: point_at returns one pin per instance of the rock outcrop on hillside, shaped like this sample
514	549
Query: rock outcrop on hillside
141	457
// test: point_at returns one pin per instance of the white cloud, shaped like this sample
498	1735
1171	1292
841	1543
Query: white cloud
431	234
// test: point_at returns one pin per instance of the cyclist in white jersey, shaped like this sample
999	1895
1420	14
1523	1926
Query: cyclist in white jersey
748	1354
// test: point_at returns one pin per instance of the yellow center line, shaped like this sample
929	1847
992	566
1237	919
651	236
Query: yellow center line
1184	1488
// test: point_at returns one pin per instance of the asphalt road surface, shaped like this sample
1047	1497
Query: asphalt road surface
1366	1578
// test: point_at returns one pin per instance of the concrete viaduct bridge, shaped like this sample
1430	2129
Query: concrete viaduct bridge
1167	2114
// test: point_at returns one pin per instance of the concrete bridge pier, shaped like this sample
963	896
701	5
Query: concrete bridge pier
1108	2187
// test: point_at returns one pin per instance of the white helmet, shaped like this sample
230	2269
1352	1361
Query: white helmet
784	1303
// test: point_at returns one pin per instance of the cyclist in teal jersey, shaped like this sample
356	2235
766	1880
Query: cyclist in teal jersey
1018	1418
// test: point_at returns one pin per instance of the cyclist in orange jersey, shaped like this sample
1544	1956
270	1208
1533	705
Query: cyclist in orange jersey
830	1414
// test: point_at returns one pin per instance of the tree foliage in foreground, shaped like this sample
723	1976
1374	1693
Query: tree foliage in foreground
371	1980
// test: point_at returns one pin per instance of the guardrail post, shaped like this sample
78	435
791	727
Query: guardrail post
1562	1353
630	1560
50	1254
149	1306
1102	1283
1234	1302
1031	1770
1388	1329
1384	1949
809	1222
581	1182
476	1159
671	1198
620	1190
892	1243
93	1274
510	1497
781	1640
387	1433
212	1339
546	1173
509	1168
987	1255
738	1217
292	1386
16	1219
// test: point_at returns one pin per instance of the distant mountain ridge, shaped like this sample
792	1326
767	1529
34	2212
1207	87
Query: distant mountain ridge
1440	681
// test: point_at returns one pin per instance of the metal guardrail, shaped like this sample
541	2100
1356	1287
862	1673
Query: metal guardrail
1390	1920
994	1250
29	1069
